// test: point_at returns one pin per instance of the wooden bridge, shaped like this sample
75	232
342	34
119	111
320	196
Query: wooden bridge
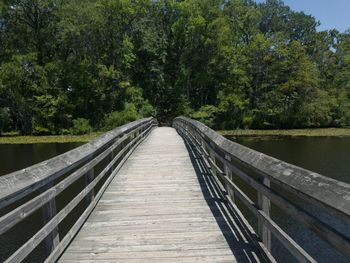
143	193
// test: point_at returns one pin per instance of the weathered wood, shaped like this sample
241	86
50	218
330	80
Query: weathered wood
72	232
264	204
229	174
16	185
236	157
89	177
295	249
160	206
46	199
49	212
10	219
164	192
323	230
34	241
322	191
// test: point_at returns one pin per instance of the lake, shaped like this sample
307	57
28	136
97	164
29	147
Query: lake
328	156
12	158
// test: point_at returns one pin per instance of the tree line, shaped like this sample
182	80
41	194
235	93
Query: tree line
70	66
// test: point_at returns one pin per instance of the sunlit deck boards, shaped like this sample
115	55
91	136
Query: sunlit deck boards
160	208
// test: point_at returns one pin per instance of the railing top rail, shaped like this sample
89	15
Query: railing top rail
20	183
317	188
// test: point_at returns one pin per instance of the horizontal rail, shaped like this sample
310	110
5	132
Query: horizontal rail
64	243
125	138
242	161
23	211
17	185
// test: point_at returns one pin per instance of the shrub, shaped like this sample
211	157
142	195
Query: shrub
64	132
39	130
81	126
206	114
118	118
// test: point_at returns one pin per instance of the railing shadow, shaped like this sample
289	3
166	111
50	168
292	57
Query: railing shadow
231	225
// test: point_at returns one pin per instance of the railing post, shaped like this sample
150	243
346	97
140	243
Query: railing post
48	212
111	157
122	146
228	173
264	204
89	177
212	156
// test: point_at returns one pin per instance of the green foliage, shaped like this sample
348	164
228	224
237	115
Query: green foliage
118	118
206	114
81	126
230	64
231	112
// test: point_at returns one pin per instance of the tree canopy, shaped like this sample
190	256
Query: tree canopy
68	64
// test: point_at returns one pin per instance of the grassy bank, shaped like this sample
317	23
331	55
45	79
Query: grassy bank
13	139
322	132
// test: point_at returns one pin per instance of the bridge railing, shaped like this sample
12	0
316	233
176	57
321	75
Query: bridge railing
24	192
227	161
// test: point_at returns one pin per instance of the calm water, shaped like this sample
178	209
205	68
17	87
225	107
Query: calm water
328	156
13	158
17	156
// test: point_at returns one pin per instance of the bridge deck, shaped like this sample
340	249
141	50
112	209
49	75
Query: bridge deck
161	207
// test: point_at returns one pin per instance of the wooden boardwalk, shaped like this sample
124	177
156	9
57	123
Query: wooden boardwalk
162	207
172	197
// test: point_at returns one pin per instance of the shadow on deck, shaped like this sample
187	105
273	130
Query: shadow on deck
239	238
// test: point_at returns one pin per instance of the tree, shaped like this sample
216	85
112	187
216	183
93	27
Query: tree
231	64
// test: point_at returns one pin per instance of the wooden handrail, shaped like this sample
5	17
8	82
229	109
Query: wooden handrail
18	184
258	170
44	181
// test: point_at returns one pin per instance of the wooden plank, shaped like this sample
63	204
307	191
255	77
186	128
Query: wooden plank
89	177
16	185
78	224
159	206
264	204
326	232
48	193
325	192
48	212
297	251
218	259
330	195
36	239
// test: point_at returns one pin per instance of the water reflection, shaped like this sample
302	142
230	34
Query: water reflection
18	156
329	156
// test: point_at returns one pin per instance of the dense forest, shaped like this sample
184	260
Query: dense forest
70	66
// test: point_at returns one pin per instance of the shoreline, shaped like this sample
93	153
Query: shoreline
49	138
254	134
291	133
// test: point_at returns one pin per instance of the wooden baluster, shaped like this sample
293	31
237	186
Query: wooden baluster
264	204
212	156
111	157
123	146
89	177
229	175
48	212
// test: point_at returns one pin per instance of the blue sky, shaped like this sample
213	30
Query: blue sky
331	13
